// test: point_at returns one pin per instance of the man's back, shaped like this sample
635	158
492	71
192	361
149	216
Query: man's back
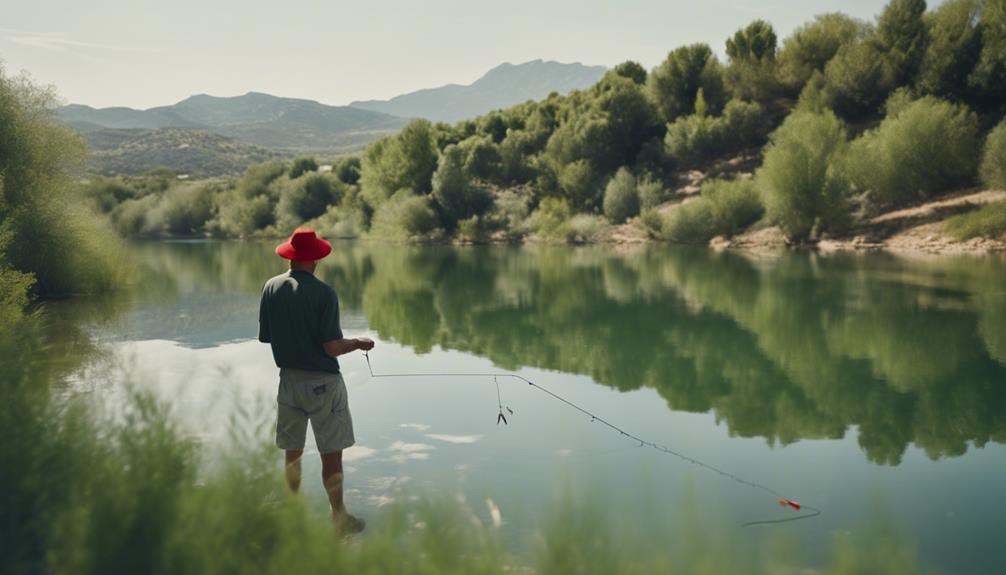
297	315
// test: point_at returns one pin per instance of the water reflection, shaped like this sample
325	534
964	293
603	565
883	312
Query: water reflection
786	348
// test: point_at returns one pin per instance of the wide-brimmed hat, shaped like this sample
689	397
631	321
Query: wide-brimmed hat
304	246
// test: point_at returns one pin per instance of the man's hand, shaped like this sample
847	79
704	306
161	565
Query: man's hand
338	347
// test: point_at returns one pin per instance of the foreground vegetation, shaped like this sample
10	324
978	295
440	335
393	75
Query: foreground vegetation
858	117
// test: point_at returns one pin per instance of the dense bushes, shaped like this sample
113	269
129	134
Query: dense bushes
725	208
47	229
993	168
931	146
801	180
406	216
695	138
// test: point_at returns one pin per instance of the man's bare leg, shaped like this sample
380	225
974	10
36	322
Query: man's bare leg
331	475
293	468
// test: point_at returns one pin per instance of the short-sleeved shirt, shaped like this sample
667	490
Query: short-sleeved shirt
297	315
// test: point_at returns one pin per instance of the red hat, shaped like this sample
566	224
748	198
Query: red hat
304	246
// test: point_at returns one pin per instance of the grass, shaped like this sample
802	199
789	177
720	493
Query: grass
989	221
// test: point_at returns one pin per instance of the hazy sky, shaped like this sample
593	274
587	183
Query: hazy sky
142	53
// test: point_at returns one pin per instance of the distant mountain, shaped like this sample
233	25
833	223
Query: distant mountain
255	118
503	86
194	152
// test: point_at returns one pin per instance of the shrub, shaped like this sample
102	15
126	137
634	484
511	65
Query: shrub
994	158
130	217
989	221
735	204
583	228
724	209
621	199
185	209
929	147
510	214
549	220
693	139
653	223
406	216
690	223
800	179
107	193
307	198
474	229
338	222
302	166
237	217
577	183
651	193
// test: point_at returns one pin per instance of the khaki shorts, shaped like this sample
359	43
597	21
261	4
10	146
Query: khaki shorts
316	396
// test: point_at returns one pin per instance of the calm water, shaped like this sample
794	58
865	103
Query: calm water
869	386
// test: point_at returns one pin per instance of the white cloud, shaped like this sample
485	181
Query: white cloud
457	439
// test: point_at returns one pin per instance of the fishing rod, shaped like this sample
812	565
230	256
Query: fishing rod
501	418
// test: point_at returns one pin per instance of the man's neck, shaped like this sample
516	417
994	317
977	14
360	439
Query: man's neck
307	267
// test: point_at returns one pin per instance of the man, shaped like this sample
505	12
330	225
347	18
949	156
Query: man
299	317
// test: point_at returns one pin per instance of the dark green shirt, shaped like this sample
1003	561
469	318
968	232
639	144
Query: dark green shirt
298	314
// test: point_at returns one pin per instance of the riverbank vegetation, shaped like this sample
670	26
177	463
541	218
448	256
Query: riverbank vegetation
910	107
50	243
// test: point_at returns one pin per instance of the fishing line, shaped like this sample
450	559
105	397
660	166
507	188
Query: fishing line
500	418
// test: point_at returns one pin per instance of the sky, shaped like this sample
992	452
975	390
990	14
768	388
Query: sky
142	53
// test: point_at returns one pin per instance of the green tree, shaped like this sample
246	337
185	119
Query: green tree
621	199
301	166
453	190
631	70
901	38
989	77
348	170
755	42
751	74
952	51
800	178
404	161
855	84
673	84
813	45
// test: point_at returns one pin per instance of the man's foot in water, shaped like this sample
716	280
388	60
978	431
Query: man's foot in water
349	524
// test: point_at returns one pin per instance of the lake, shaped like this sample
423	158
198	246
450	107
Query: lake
870	386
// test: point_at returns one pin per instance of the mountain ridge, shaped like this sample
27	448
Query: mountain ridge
502	86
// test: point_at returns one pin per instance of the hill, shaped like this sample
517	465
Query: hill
255	118
503	86
185	151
